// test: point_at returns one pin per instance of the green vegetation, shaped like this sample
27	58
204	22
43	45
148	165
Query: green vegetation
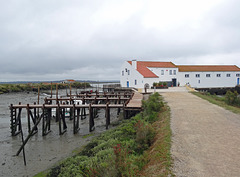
230	101
159	84
232	98
159	155
7	88
122	151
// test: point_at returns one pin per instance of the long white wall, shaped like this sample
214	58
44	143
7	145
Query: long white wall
208	82
129	74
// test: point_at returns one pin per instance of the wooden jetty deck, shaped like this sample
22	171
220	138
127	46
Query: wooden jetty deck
136	101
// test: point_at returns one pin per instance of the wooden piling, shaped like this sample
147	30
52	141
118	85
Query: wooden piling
28	118
91	120
29	135
107	115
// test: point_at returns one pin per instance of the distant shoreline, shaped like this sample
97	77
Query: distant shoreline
59	81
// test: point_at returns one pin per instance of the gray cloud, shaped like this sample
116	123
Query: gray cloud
48	40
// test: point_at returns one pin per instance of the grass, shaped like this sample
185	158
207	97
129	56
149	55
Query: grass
220	101
88	135
159	155
131	149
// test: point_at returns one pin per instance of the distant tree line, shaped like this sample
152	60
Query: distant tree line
7	88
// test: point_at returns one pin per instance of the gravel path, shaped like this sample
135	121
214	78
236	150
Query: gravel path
206	137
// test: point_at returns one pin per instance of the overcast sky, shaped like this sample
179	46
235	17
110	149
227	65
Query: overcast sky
90	39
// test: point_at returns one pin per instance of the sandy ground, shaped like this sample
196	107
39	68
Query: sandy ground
206	139
41	152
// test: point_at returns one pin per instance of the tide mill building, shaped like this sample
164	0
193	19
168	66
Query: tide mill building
141	74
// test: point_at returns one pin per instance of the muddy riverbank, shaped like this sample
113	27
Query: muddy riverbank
41	152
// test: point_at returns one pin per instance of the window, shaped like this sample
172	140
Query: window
126	69
170	72
208	75
122	73
135	82
197	75
199	81
128	72
162	72
228	75
218	75
237	75
186	75
174	72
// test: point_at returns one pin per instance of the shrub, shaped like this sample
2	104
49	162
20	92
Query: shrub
151	107
117	152
144	135
232	98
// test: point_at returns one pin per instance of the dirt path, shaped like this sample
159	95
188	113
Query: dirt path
206	138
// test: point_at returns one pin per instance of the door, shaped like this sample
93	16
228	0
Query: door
174	82
127	83
146	86
238	83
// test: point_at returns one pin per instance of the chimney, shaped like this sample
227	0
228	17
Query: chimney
134	64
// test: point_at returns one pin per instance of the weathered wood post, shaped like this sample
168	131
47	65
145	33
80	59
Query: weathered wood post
76	124
43	119
74	119
107	115
91	120
119	102
28	137
35	112
57	109
13	119
17	121
124	111
38	100
28	118
83	111
59	119
24	157
62	117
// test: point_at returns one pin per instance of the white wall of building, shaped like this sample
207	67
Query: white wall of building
200	80
165	75
131	75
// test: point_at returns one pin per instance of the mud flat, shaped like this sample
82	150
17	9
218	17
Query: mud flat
41	152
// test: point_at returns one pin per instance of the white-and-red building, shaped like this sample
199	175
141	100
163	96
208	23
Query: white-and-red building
141	74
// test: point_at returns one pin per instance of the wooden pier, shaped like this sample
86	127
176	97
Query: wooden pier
78	106
134	105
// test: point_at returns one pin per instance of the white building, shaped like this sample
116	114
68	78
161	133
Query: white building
140	74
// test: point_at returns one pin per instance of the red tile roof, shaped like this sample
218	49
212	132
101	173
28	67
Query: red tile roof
142	67
199	68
